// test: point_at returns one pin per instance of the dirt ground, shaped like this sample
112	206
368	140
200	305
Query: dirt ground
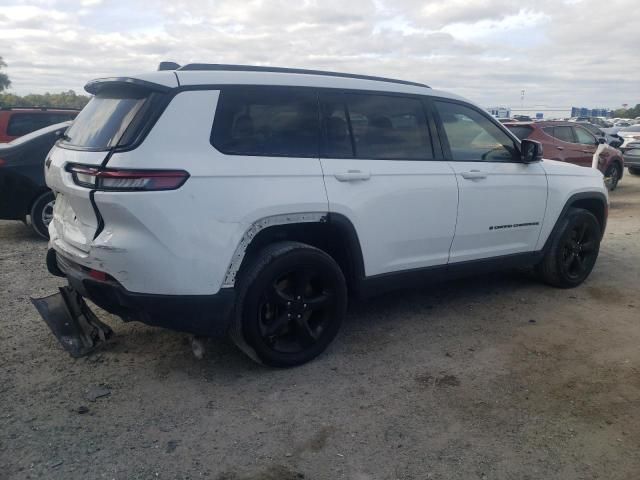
497	377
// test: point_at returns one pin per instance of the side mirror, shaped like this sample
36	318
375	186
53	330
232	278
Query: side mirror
530	151
602	140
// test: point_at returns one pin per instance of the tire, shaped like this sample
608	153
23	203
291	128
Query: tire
573	251
275	321
634	171
613	173
42	213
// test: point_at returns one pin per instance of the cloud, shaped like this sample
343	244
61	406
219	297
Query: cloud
561	53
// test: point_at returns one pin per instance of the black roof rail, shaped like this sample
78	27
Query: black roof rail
255	68
18	107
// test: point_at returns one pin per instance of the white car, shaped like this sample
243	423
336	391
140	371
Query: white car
630	136
252	201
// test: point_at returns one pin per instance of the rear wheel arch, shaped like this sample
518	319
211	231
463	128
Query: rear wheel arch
330	232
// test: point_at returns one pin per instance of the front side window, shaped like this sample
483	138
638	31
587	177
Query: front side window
584	137
267	121
473	137
564	134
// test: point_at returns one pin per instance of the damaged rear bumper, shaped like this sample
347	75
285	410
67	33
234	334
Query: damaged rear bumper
206	315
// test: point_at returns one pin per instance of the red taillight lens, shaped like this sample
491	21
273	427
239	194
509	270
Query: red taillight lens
127	180
2	162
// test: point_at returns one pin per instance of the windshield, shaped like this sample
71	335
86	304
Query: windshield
104	120
520	131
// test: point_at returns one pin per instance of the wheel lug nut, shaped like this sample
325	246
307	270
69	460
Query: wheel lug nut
289	315
299	297
299	316
305	305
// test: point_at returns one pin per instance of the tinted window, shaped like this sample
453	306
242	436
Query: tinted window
584	137
564	133
23	123
335	127
474	137
267	121
520	131
386	127
101	124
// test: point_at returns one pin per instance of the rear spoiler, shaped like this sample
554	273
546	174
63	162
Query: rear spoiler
95	86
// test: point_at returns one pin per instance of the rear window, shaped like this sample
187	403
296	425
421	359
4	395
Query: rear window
520	131
23	123
267	121
102	123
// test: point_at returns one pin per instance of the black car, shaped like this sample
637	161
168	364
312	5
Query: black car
23	191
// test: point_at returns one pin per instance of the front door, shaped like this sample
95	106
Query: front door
381	173
502	200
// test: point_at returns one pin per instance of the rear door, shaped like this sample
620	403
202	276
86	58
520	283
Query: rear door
99	128
567	147
502	200
383	172
586	145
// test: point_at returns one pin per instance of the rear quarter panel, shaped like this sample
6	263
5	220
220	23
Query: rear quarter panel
182	241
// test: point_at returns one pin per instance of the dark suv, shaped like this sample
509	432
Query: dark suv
18	121
572	143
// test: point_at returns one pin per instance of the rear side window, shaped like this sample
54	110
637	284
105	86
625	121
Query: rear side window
102	123
23	123
520	131
379	127
584	137
267	121
473	137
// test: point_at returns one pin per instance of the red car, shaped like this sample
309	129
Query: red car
18	121
570	142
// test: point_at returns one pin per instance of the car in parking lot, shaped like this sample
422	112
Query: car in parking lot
630	137
632	160
18	121
571	142
253	201
24	194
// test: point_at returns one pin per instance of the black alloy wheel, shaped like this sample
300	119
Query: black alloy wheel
291	301
580	250
612	176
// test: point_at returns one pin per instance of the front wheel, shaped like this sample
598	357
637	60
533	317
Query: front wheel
613	175
634	171
573	251
292	299
42	213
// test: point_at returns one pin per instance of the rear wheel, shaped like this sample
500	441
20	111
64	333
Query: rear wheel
613	174
42	213
634	171
291	302
573	251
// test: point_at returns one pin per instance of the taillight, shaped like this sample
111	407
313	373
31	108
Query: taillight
2	162
126	180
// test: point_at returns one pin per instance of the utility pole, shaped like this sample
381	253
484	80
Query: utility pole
521	99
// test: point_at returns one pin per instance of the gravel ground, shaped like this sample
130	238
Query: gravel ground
497	377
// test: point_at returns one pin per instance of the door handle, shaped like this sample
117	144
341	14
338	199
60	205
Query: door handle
352	176
560	148
474	175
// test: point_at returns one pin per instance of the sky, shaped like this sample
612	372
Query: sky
560	52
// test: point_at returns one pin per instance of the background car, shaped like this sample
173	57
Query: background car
632	160
18	121
612	139
630	137
570	142
23	191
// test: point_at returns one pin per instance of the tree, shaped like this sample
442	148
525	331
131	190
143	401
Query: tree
4	79
628	112
68	99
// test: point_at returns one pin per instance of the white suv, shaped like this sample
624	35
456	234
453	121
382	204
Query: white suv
219	199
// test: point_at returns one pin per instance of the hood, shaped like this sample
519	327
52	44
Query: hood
554	167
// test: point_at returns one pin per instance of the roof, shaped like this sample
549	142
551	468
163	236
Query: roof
205	75
41	109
